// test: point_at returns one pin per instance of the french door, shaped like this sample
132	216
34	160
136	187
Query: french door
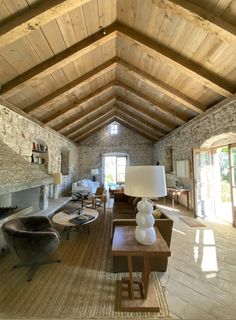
232	163
203	186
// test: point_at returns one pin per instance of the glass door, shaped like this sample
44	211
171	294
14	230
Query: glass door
232	157
203	186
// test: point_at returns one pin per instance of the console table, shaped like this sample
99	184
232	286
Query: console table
176	192
137	294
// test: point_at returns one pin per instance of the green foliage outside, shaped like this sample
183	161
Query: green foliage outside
225	178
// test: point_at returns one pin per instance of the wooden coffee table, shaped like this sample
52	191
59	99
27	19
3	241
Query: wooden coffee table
137	294
62	219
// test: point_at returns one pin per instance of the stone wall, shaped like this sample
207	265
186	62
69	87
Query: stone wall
19	134
91	150
208	127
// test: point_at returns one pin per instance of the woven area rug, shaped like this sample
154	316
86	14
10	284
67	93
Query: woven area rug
81	287
192	222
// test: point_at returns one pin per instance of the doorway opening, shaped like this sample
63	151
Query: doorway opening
215	182
114	170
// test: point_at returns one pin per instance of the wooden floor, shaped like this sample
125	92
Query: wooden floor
200	282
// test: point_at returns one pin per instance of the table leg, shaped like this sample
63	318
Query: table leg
173	200
131	280
188	200
145	277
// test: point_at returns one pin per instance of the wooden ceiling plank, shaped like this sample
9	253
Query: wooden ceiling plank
161	86
184	65
200	18
92	111
104	110
138	124
66	111
96	122
139	116
96	129
35	18
31	76
130	126
171	115
67	125
166	127
70	87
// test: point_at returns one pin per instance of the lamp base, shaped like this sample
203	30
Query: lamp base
145	232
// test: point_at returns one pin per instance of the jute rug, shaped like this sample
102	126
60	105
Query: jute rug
81	287
192	222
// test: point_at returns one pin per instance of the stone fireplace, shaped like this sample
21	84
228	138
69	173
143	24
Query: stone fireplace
23	186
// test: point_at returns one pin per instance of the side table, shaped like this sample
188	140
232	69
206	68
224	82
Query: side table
137	294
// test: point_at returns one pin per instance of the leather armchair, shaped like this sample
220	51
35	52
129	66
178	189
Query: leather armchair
32	239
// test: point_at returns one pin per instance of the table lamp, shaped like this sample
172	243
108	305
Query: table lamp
144	182
94	173
57	180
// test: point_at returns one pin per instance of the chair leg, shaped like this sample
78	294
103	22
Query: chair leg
34	266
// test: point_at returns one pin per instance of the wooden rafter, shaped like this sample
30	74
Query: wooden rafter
32	76
184	65
137	117
127	124
35	18
69	111
91	116
67	125
95	123
200	18
160	86
162	108
138	124
72	86
96	129
166	126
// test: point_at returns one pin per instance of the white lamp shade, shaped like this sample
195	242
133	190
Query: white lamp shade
145	181
94	172
57	178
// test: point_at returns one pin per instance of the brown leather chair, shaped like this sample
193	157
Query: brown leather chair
32	239
98	199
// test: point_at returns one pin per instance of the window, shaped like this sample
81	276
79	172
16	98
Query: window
114	168
114	128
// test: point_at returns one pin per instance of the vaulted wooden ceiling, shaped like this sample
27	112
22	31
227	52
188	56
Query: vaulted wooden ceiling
151	65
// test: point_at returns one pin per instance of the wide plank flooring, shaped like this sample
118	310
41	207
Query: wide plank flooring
200	282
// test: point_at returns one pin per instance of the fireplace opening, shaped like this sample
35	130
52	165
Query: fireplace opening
7	211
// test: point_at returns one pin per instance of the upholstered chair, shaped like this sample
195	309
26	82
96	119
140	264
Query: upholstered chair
32	239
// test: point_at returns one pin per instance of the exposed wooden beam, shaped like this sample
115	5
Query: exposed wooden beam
32	76
105	110
161	86
69	111
35	18
134	128
133	114
67	125
72	86
166	126
138	124
96	129
91	116
95	123
170	114
184	65
200	18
